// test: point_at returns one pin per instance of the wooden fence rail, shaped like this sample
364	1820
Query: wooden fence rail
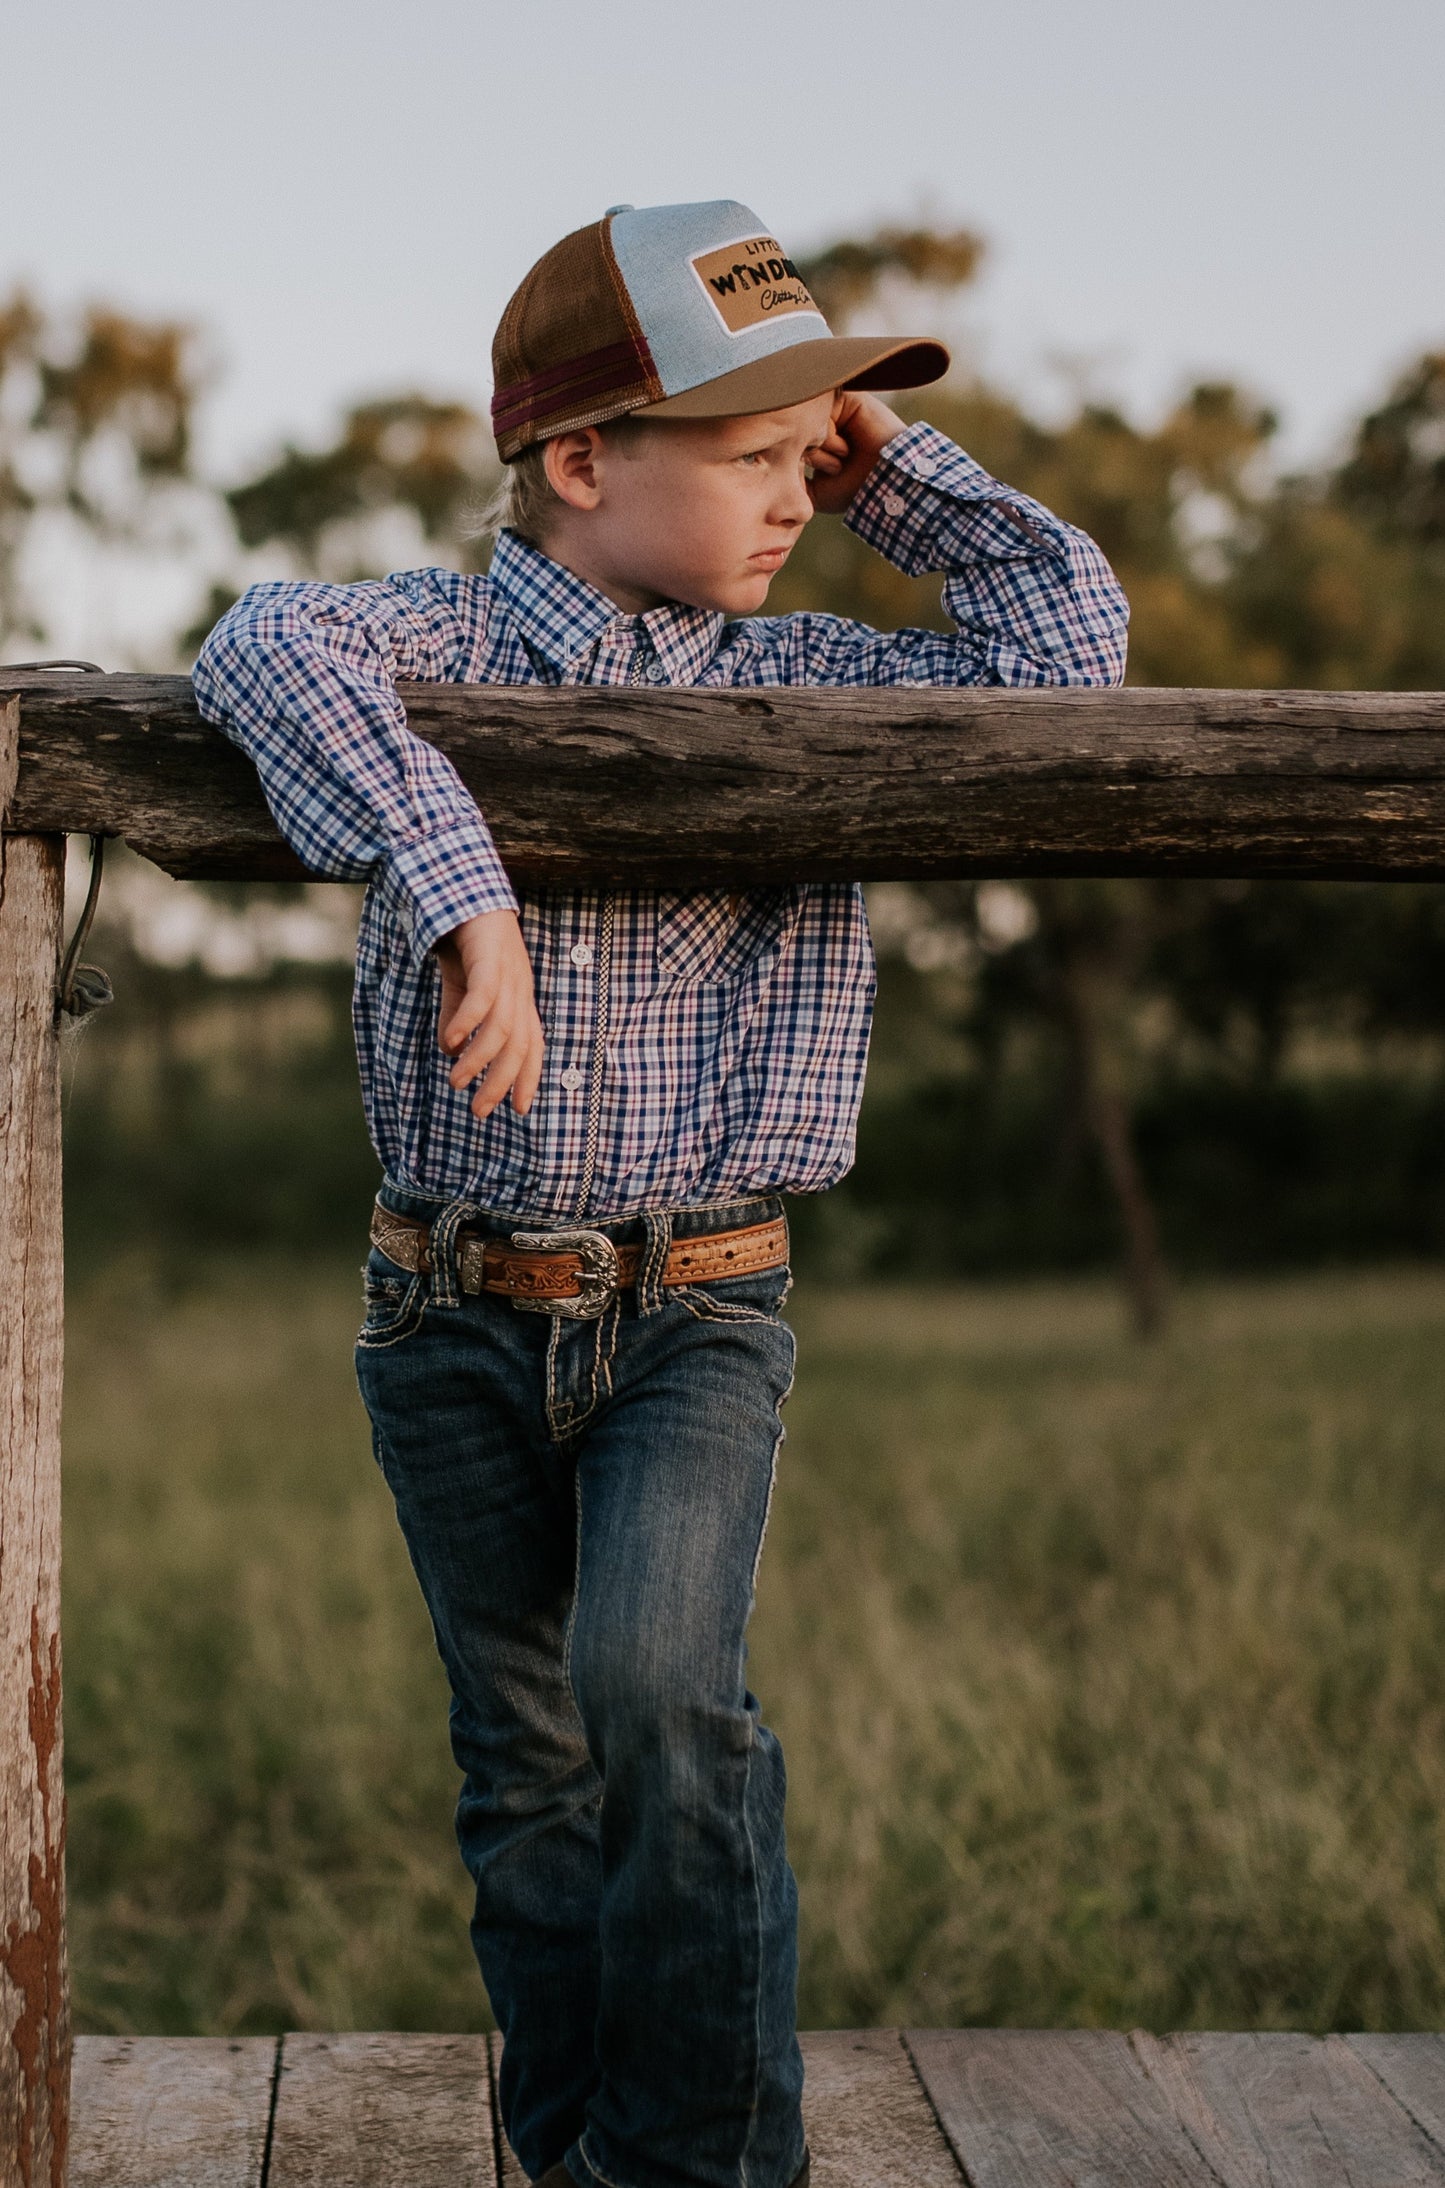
688	787
671	788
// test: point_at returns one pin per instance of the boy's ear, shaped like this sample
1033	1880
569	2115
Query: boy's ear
573	470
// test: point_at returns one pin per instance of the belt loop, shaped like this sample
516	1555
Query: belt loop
656	1246
445	1275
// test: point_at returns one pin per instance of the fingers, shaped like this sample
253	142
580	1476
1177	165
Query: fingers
847	410
829	461
486	1044
501	1073
528	1079
505	1055
464	1009
834	460
516	1070
504	1037
861	428
479	961
487	1018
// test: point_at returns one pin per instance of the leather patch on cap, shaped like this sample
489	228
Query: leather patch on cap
750	282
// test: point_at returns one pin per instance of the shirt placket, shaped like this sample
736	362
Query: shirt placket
640	671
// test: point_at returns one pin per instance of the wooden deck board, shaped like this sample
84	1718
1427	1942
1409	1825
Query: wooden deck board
1048	2108
383	2112
869	2123
1289	2111
1412	2068
170	2112
937	2108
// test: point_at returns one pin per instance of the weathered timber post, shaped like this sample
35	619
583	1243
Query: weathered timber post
34	1989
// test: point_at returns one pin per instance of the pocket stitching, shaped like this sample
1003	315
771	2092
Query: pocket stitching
737	939
377	1336
726	1310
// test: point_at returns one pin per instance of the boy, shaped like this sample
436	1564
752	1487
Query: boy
587	1106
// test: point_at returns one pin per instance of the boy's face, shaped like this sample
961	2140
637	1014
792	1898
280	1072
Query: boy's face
703	511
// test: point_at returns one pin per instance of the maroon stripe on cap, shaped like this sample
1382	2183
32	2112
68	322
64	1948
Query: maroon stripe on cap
508	410
556	406
593	360
600	372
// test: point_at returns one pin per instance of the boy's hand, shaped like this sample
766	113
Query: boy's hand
488	1018
862	425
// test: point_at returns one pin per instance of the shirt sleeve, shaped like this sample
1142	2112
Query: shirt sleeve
303	678
1033	599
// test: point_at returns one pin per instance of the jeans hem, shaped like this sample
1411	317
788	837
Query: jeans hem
577	2157
605	2179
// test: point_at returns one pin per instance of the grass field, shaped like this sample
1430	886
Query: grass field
1111	1680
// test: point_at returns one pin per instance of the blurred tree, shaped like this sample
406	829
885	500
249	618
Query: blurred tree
1395	475
845	278
95	435
1083	965
402	455
1341	578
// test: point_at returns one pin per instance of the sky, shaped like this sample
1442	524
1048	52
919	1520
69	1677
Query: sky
341	195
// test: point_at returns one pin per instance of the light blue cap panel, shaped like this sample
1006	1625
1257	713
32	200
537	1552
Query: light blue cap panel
690	343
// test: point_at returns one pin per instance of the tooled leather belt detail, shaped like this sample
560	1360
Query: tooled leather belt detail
560	1272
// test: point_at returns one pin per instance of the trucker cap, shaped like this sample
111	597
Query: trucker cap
685	311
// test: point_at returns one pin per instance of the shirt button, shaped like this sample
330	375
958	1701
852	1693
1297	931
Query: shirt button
657	674
581	953
925	466
572	1078
894	505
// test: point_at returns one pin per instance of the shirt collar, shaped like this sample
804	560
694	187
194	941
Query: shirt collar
562	616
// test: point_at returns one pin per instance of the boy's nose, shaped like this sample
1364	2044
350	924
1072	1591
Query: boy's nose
794	504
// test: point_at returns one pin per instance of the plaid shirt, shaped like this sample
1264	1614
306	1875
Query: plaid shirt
700	1047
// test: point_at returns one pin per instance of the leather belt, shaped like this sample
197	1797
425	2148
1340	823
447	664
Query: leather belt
575	1272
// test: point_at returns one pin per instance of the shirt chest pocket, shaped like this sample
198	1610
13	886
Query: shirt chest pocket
713	935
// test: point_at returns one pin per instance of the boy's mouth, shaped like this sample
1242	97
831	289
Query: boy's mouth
769	558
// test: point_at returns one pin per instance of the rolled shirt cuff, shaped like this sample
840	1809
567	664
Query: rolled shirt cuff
435	882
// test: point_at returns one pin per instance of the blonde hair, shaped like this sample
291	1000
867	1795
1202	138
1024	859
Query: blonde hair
524	501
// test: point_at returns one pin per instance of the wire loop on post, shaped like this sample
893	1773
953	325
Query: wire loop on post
91	668
82	988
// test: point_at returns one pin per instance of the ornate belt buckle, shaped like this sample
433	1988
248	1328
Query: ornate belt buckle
597	1277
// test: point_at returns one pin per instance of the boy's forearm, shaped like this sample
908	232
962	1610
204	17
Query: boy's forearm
1033	595
927	505
301	678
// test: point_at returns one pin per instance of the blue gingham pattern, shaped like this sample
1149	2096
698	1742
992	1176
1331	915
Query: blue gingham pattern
724	1054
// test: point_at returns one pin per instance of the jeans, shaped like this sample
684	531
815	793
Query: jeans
584	1504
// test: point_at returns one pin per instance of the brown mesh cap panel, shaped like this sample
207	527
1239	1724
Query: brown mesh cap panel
569	351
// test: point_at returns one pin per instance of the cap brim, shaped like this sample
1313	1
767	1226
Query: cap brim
807	369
